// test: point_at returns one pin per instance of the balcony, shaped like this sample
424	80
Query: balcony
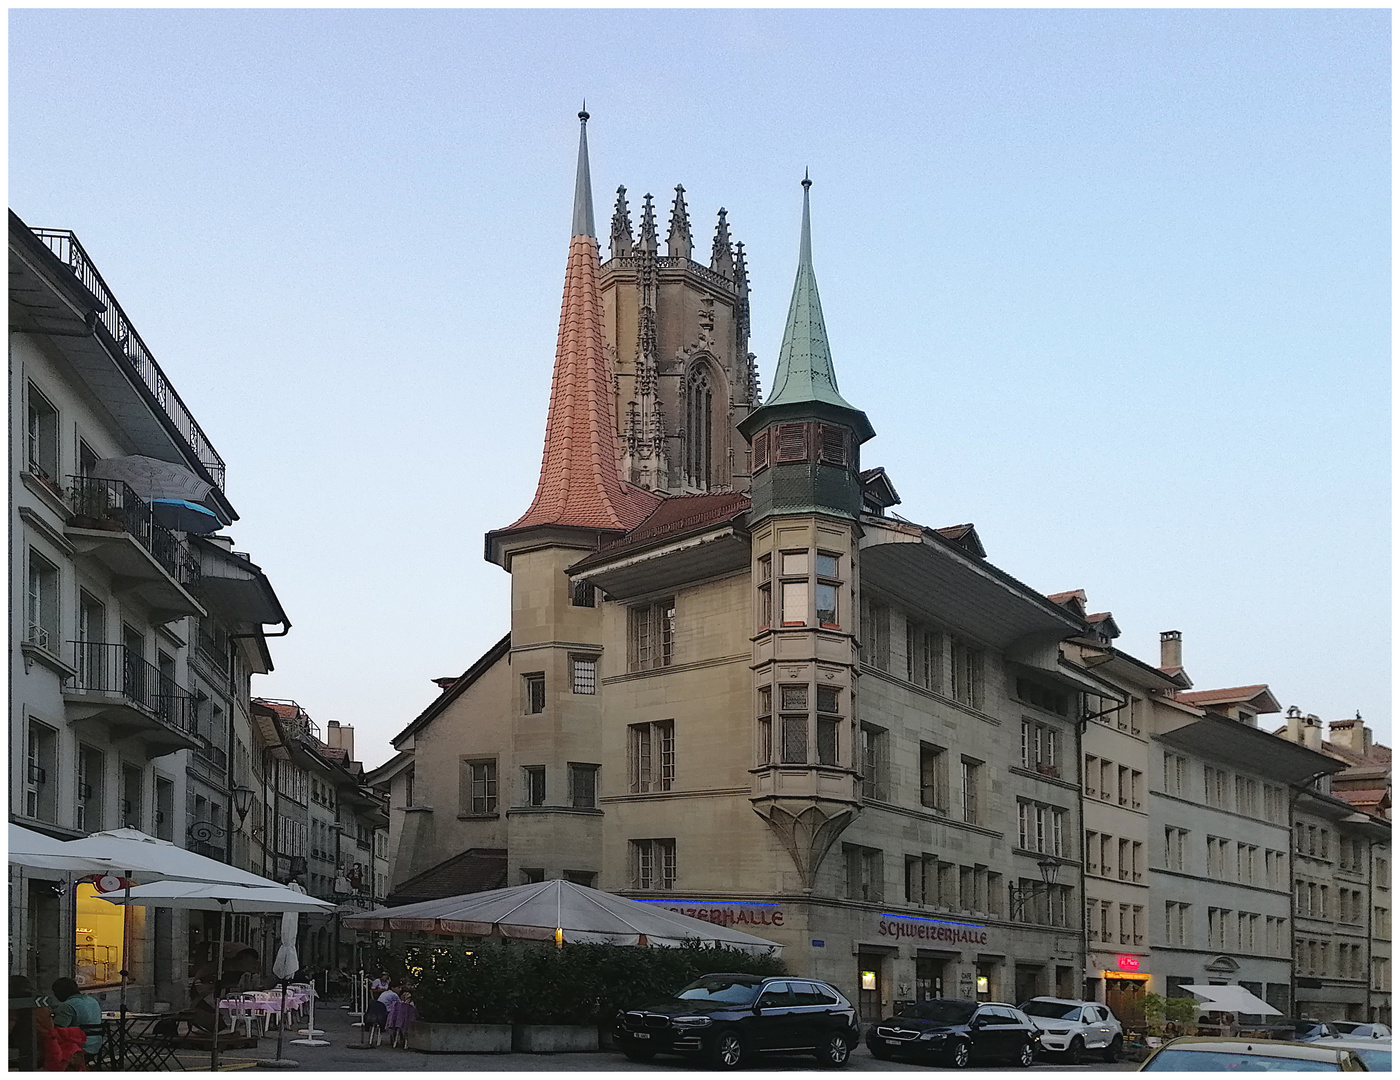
113	526
66	247
130	695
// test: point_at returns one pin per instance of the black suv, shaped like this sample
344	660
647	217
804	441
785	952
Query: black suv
726	1019
957	1033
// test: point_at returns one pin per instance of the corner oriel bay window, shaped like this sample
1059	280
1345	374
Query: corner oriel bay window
828	725
765	592
795	585
828	588
794	725
651	635
765	725
653	864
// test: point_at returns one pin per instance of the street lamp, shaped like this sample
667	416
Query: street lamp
1049	871
242	802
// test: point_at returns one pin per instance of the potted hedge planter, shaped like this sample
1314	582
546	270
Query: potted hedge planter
554	1038
437	1038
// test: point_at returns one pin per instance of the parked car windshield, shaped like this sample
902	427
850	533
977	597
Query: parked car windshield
1374	1060
718	988
942	1012
1218	1061
1051	1010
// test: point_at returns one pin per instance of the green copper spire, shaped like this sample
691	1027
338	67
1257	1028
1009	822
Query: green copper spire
805	371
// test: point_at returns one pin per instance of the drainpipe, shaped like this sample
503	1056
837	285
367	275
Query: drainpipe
1083	855
1299	791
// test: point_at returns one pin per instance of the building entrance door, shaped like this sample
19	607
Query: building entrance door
1124	997
929	973
869	978
1029	978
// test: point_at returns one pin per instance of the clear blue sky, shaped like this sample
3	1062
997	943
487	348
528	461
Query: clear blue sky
1113	285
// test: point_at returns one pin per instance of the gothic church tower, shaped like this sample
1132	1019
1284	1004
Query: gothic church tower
678	337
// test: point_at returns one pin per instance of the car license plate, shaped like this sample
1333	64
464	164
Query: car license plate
640	1035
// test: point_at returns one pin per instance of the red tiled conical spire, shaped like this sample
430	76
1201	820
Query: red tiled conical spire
580	483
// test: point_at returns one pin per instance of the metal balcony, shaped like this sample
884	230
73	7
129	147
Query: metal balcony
131	696
114	526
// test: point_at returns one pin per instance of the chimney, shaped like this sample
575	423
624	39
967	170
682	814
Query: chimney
1351	735
1312	732
1171	649
341	737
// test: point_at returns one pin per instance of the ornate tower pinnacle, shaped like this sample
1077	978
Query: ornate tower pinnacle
721	257
647	238
579	486
621	242
679	243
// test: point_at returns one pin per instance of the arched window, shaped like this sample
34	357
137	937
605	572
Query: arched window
699	417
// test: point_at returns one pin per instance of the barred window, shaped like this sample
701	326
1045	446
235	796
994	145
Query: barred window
583	594
584	671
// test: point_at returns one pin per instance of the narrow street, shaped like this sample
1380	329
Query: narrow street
344	1055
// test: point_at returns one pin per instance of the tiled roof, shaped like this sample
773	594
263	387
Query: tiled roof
286	710
1099	617
1220	697
1061	597
474	870
580	483
676	516
965	536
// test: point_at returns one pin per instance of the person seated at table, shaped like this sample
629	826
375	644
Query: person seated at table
389	995
76	1009
26	1042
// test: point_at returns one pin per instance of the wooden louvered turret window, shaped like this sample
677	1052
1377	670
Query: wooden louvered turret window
792	442
760	452
831	442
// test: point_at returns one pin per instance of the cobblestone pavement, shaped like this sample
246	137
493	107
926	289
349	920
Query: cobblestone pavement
344	1055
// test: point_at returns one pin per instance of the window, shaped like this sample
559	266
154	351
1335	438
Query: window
791	442
971	782
967	674
923	656
583	785
653	864
699	406
1275	804
1124	785
920	879
1178	923
865	875
765	725
1215	780
765	591
479	787
1125	860
1139	917
1091	776
42	436
1381	922
1247	796
1040	747
1139	871
1176	848
1091	854
584	674
91	767
794	724
583	594
1040	828
534	692
828	725
828	587
831	444
132	789
875	635
1173	774
1136	789
651	634
1246	860
652	756
1217	927
874	759
933	776
165	809
534	785
760	452
41	773
91	660
41	603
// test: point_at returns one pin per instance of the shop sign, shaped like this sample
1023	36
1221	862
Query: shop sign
732	912
921	929
1128	962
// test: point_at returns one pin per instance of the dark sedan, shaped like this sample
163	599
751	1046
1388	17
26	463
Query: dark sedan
727	1020
957	1033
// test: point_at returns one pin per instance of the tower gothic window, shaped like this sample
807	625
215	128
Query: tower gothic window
699	410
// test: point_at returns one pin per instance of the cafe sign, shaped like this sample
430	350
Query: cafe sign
940	930
730	913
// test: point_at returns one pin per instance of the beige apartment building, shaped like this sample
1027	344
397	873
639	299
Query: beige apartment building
780	708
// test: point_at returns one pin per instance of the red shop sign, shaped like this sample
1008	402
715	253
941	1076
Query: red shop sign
1128	962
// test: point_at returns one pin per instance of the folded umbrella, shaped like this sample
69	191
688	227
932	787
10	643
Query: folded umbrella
152	478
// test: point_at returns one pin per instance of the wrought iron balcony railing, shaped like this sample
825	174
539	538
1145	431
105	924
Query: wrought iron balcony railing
111	504
65	245
117	671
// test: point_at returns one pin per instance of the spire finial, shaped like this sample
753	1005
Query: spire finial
806	173
679	244
583	185
583	113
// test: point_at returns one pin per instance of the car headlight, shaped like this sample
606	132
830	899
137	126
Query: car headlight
692	1021
930	1036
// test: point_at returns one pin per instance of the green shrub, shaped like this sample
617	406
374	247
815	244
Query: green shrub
512	982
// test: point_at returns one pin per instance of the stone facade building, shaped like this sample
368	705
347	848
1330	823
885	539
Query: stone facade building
783	707
134	644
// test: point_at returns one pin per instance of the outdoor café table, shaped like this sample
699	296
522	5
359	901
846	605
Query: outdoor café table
401	1014
271	1004
138	1028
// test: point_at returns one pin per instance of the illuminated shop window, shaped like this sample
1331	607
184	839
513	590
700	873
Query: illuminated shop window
98	938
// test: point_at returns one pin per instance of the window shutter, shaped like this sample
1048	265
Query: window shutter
760	452
792	442
833	444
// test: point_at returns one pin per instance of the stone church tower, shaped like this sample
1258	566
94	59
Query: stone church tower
677	332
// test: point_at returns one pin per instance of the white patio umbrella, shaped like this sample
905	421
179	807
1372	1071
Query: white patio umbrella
131	852
1231	998
228	900
39	852
559	911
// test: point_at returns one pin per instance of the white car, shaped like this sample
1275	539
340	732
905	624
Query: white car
1355	1029
1074	1028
